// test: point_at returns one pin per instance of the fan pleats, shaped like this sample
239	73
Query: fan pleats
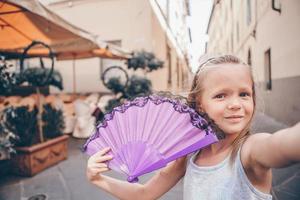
145	137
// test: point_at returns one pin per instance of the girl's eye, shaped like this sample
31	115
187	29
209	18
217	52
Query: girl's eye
244	94
220	96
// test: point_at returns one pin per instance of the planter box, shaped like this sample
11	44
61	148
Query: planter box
31	160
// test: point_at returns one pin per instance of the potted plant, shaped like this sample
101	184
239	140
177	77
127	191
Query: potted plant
137	86
144	60
133	86
39	129
32	155
6	137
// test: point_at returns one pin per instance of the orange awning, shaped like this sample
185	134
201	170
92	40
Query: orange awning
23	21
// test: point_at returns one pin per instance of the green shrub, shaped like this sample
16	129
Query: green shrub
144	60
38	77
22	122
53	122
138	86
115	85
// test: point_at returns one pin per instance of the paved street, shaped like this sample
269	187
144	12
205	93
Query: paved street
66	181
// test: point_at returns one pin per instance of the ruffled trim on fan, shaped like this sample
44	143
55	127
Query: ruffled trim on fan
202	121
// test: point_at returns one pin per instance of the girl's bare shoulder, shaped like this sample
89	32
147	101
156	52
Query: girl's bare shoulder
259	175
252	146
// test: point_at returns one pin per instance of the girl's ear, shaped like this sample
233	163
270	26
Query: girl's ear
199	107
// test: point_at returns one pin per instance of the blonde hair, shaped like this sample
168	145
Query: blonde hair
197	89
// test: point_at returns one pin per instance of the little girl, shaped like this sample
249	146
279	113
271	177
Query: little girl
237	167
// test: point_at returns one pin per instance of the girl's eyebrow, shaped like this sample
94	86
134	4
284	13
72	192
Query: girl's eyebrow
220	90
246	88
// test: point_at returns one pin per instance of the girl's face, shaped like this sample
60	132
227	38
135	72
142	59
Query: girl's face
227	96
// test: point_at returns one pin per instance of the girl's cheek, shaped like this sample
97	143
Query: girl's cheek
250	105
221	105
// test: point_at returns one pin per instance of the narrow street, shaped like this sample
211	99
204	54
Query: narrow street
67	181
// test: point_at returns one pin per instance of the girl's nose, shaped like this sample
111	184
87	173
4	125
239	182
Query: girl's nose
234	104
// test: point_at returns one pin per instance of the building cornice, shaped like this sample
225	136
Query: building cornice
211	14
162	20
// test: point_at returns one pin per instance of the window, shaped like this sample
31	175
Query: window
101	66
276	5
169	66
268	74
249	59
248	12
190	35
178	72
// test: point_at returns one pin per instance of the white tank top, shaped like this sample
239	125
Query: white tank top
219	182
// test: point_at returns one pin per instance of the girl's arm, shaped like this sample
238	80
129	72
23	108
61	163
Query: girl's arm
153	189
276	150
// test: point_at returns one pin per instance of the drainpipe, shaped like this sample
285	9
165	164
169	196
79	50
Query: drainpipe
274	8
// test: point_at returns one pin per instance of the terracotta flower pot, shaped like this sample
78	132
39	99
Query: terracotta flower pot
31	160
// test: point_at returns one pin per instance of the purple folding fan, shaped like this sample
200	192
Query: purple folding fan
147	133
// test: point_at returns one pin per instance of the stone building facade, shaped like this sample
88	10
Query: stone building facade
265	34
157	26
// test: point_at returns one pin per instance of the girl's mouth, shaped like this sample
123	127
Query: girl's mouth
234	118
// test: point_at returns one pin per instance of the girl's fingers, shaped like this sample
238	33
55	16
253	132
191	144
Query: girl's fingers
102	152
99	170
103	169
103	158
99	165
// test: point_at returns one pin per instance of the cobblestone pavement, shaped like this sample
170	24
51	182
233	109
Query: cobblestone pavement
66	181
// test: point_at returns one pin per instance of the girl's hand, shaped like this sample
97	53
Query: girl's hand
96	164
